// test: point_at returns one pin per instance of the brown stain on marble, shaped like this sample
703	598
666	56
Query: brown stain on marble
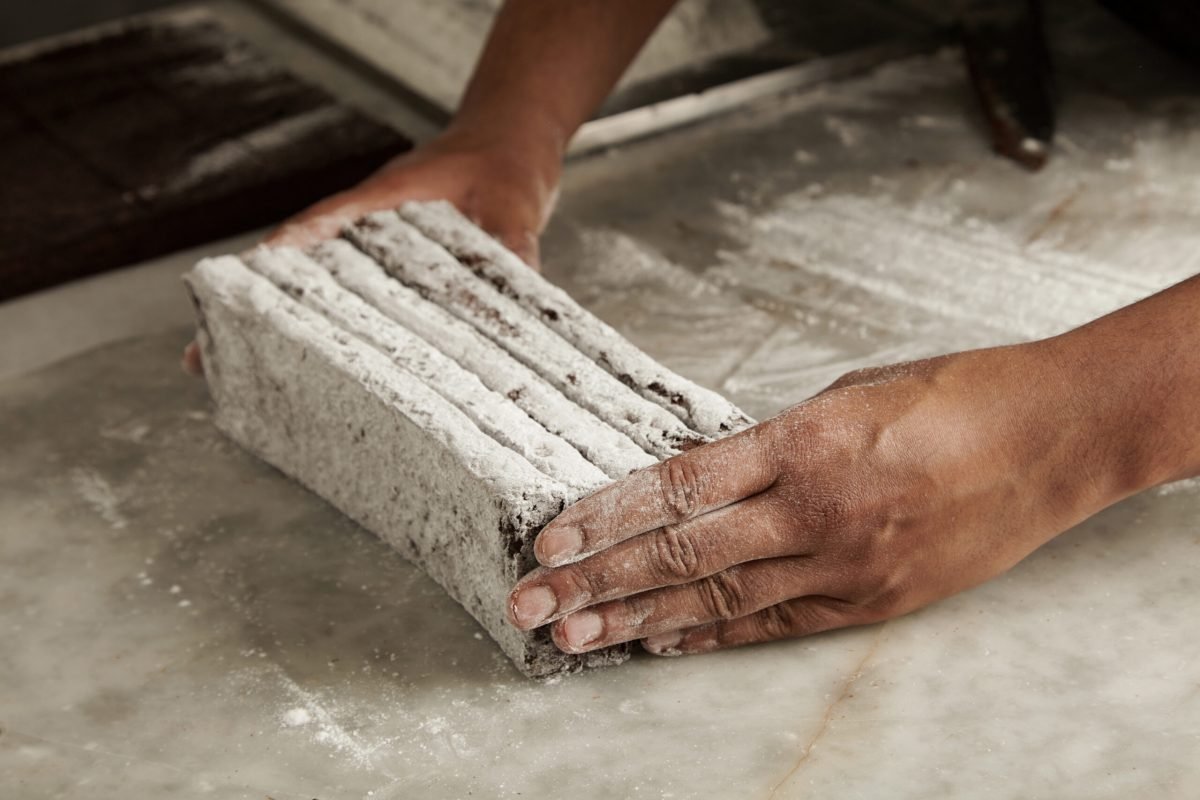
1055	214
827	718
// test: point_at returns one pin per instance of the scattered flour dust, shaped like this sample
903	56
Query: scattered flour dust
1187	486
381	730
848	132
99	494
295	717
311	713
898	264
134	431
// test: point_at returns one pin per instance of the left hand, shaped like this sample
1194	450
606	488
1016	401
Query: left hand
505	181
893	488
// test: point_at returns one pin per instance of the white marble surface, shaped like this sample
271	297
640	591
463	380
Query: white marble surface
179	620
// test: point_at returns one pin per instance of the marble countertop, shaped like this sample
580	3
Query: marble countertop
179	620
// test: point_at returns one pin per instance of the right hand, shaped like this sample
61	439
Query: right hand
893	488
505	184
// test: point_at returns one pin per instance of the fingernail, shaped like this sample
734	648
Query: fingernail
582	629
663	644
557	545
533	606
190	359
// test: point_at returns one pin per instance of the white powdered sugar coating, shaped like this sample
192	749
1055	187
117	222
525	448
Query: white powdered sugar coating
311	285
609	449
444	418
419	262
701	409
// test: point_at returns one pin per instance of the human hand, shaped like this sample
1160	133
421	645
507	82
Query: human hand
505	184
891	489
506	187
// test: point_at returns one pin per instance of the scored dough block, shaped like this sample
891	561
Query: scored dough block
420	395
704	411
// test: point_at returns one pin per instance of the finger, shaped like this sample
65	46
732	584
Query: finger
791	619
669	556
733	593
679	489
192	362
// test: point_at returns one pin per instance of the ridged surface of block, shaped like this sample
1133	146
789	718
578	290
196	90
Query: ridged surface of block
702	410
417	261
609	449
436	410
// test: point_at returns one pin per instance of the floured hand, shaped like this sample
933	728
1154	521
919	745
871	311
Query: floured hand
507	188
893	488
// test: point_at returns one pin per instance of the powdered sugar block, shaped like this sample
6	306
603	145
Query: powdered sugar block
430	269
434	409
703	410
607	448
296	274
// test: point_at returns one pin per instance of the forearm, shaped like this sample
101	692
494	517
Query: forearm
548	64
1137	373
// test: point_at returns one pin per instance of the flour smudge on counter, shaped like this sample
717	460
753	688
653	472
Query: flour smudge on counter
98	493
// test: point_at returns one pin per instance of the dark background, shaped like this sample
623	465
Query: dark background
23	21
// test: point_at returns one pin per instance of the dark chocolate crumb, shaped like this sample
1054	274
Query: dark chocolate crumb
675	398
472	301
511	539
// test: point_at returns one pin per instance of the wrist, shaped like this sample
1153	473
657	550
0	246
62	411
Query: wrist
531	136
1022	416
526	155
1111	405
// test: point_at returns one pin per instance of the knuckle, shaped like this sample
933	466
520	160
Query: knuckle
581	584
876	610
674	556
879	589
854	378
816	615
891	598
679	482
776	622
723	596
871	376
